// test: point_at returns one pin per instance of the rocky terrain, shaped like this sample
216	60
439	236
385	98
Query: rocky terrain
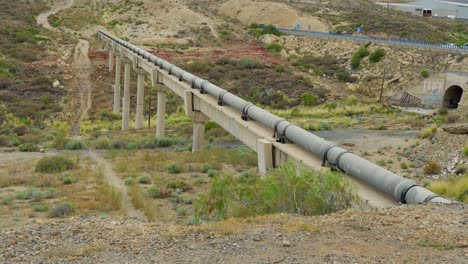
408	234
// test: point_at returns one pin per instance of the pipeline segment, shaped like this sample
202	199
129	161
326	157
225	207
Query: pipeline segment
403	190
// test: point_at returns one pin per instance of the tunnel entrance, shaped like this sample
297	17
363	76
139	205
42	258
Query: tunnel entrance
452	97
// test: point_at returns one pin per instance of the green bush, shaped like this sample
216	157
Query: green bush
154	192
129	181
144	179
358	56
174	168
432	167
212	173
247	63
289	189
51	193
205	167
62	210
309	99
28	147
8	200
178	184
377	55
428	132
74	145
276	47
36	195
68	180
443	111
465	150
40	207
425	73
53	164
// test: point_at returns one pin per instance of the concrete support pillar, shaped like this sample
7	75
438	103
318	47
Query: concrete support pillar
161	115
140	99
198	139
111	60
265	156
198	119
126	97
118	68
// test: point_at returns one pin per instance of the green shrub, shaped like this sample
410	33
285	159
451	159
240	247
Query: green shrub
456	187
22	195
61	210
212	173
358	56
68	180
432	167
182	211
36	195
276	47
404	166
154	192
205	167
28	147
443	111
289	189
382	127
174	168
74	145
425	73
40	207
129	181
351	100
8	200
247	63
53	164
51	193
309	99
144	179
377	55
428	132
465	150
178	184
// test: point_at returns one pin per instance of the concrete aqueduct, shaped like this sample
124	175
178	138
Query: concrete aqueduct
449	89
274	139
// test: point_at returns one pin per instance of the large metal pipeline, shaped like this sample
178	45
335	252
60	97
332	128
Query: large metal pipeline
401	189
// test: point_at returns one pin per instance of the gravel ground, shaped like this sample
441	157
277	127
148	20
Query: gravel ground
405	234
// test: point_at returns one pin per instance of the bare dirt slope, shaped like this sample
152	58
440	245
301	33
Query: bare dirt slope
265	12
413	234
81	85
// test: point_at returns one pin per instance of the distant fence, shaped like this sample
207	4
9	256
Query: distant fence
389	41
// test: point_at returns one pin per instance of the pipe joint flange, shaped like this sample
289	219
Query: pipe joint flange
169	71
181	76
405	191
337	160
275	126
430	197
283	138
193	82
325	154
202	86
221	98
245	111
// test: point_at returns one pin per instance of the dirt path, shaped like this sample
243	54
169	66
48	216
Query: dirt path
82	85
42	19
112	179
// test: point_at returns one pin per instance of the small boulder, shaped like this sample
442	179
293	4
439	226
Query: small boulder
56	84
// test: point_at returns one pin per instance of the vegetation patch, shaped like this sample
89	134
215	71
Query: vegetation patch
61	210
54	164
455	187
291	189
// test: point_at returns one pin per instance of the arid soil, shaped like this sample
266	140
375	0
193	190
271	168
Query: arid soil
407	234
